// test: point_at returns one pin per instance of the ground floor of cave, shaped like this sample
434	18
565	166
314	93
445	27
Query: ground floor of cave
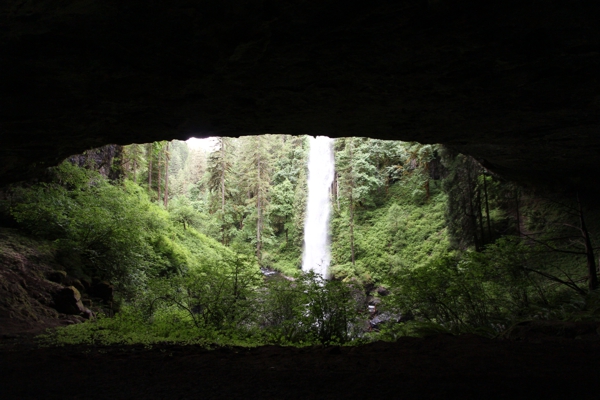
441	367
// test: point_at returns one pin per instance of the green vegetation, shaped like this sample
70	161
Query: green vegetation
229	309
184	233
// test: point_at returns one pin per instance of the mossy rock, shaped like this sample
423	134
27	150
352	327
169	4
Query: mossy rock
68	301
77	284
57	276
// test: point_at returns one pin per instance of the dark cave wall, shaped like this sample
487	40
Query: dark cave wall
513	83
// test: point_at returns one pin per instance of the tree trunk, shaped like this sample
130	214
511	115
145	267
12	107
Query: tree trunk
149	149
167	175
223	190
518	215
158	178
135	156
351	154
472	216
480	216
286	232
352	230
487	208
258	216
337	190
333	188
427	187
589	251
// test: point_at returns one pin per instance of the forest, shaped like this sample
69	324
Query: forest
204	245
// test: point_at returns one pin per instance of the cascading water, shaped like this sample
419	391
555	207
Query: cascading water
321	169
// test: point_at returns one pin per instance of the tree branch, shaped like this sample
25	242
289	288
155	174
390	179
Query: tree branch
558	280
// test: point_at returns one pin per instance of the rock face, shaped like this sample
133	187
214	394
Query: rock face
102	159
25	296
513	83
57	276
68	301
34	295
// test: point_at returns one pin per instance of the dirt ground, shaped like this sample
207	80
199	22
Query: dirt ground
440	367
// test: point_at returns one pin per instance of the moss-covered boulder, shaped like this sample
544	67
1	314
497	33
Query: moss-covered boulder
68	301
57	276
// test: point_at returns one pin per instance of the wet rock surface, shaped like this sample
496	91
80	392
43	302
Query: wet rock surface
439	367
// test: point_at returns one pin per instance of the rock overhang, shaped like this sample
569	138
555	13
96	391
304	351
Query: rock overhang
514	84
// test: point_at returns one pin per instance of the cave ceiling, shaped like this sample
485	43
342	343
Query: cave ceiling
513	83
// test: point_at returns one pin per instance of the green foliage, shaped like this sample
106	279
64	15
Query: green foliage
461	295
90	219
485	292
181	210
130	326
115	232
480	207
190	271
331	309
225	307
214	295
288	261
282	204
359	177
308	310
403	233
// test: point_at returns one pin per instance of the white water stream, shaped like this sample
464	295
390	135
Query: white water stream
321	168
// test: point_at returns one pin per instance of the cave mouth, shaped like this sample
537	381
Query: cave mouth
512	84
153	218
203	243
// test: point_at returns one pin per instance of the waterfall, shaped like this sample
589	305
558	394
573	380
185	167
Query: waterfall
316	255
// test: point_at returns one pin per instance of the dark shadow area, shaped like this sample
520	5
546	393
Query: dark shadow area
439	367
